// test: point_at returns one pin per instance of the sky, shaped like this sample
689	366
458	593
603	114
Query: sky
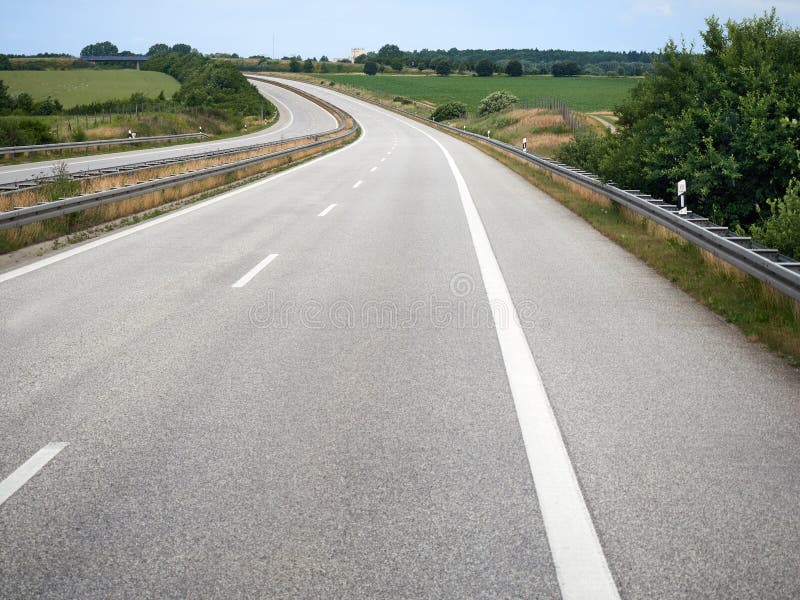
312	28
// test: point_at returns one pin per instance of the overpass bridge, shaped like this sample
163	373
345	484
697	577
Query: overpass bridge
131	58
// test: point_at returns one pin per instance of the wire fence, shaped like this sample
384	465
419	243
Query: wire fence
575	122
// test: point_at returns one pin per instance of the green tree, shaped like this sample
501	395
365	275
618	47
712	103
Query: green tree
6	102
23	103
567	68
722	120
444	67
100	49
370	68
484	68
5	63
294	65
514	68
182	49
308	66
324	58
388	52
157	49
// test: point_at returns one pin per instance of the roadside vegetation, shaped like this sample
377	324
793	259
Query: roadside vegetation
726	120
178	91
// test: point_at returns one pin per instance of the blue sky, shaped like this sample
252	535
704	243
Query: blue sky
314	28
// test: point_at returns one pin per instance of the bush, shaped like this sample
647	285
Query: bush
308	66
484	68
370	67
495	102
514	68
585	151
781	229
449	110
24	132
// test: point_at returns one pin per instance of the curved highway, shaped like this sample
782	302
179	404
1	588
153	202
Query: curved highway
298	117
316	386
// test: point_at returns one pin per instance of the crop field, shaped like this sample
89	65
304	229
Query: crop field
585	94
85	86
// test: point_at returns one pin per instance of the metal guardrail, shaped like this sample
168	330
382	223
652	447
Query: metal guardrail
48	210
93	143
766	264
34	182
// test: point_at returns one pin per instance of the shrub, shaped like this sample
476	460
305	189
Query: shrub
308	66
370	67
484	68
24	132
781	229
585	151
449	110
495	102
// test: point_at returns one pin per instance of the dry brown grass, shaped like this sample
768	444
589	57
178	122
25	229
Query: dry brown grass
106	182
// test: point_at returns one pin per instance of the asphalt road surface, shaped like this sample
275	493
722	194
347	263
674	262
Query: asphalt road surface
297	116
315	386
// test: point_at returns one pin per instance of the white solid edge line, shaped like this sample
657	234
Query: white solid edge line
45	262
357	184
581	566
373	169
245	279
383	160
28	469
327	210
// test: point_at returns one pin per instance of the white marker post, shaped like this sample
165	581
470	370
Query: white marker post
682	194
524	144
489	133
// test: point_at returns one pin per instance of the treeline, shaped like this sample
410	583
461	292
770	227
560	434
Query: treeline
726	120
533	61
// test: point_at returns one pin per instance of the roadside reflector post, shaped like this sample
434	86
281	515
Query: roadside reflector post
524	144
682	195
489	133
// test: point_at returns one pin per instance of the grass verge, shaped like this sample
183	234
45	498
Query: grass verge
760	312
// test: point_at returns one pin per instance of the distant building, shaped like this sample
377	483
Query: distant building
355	53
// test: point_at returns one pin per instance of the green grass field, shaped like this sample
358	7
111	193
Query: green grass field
585	94
85	86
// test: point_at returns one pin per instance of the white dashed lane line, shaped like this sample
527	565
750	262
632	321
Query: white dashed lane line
28	469
327	210
254	271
